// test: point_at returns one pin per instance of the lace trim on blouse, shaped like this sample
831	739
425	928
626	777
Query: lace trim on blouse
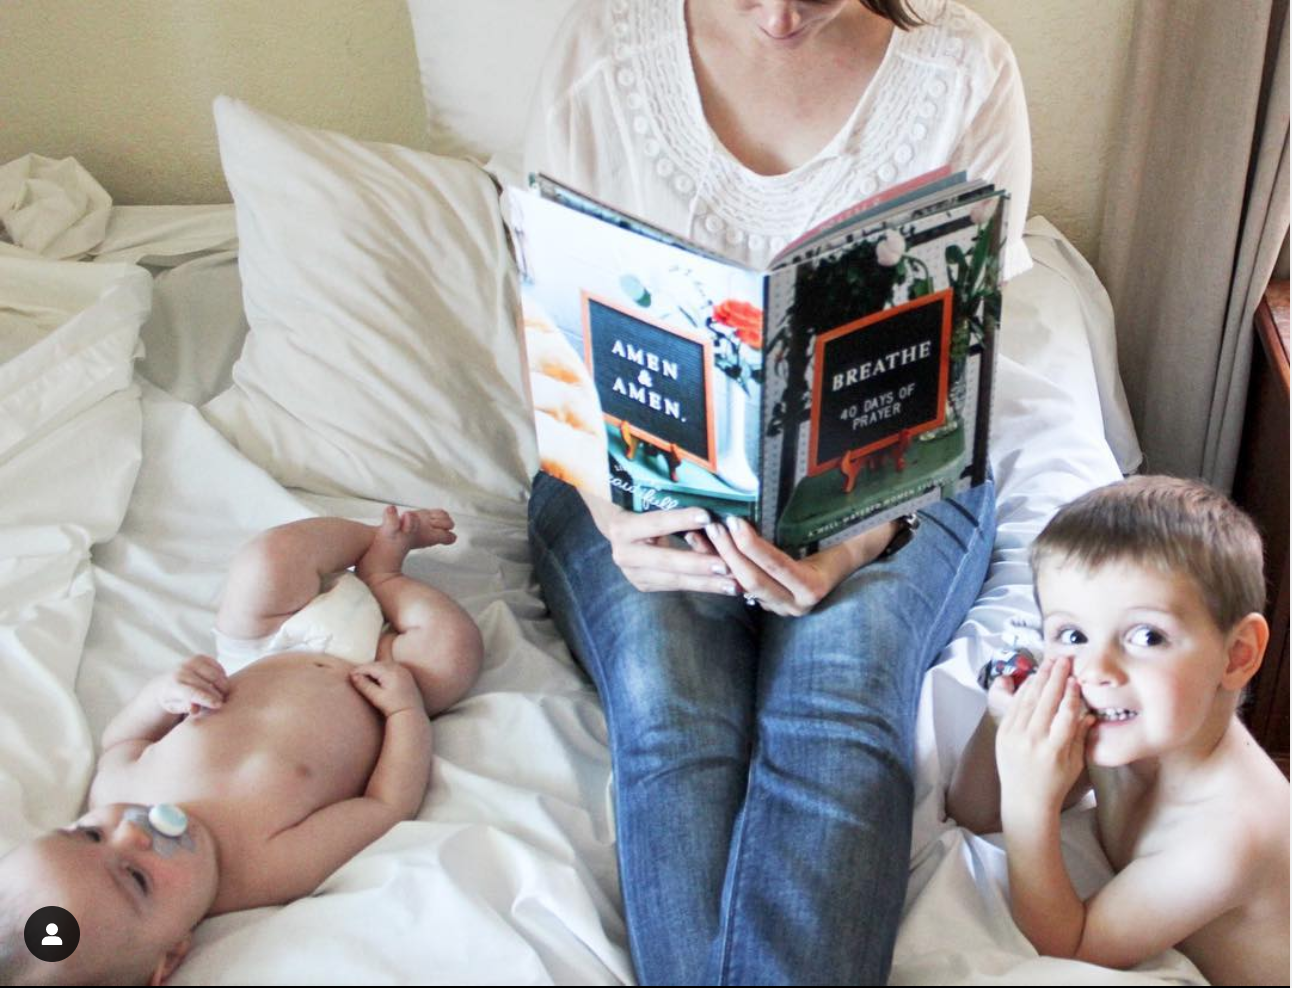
726	201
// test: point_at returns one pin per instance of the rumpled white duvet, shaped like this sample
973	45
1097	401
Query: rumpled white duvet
120	506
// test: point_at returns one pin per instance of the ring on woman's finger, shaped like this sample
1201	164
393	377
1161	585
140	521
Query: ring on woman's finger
751	600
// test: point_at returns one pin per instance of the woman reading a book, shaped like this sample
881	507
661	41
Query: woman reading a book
760	708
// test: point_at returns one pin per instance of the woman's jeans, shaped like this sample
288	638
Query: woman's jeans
763	764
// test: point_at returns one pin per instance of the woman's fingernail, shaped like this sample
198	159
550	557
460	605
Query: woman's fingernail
689	539
730	589
713	530
734	523
701	518
719	569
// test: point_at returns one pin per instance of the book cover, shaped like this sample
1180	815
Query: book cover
846	385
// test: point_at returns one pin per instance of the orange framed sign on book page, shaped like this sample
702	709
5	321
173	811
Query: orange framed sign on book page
655	381
880	378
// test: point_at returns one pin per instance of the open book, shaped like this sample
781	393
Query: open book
847	384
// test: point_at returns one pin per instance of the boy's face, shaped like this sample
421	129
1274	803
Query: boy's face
1144	649
134	905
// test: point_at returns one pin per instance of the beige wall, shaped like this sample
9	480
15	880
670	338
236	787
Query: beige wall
1073	57
125	86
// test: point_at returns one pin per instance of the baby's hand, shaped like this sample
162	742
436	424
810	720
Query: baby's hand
388	686
1041	740
199	684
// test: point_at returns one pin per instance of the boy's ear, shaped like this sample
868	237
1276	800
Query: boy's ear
172	960
1246	648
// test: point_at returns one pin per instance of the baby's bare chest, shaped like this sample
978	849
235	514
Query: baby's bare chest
291	737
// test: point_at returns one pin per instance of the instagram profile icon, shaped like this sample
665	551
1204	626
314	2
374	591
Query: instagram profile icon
51	934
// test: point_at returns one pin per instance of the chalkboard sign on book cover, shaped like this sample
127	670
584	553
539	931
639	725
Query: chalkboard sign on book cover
848	383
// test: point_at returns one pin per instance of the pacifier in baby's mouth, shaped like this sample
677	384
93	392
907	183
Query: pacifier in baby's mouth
166	824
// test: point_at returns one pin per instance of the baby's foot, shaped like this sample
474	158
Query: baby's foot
401	533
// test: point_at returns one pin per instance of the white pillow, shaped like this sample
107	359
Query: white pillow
479	64
382	359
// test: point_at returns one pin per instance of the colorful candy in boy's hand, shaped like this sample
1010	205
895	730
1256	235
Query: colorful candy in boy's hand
1016	663
1017	658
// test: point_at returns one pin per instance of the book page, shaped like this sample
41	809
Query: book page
645	362
879	355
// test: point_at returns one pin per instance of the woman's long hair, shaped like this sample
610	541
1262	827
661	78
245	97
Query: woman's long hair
895	11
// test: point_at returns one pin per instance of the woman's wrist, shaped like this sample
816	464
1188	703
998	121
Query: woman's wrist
867	547
601	510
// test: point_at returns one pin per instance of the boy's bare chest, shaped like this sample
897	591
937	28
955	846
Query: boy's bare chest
1132	822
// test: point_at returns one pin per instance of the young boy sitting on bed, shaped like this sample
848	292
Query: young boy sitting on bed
1150	592
224	788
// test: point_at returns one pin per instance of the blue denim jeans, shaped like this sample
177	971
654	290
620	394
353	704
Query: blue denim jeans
763	765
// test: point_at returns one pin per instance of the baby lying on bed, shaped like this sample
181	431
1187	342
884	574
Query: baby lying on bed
224	787
1150	592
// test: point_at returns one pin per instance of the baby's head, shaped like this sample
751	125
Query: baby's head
136	893
1154	588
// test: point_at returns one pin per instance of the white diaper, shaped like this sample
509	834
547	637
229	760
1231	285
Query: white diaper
344	620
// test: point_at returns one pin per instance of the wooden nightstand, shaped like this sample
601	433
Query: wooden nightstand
1261	488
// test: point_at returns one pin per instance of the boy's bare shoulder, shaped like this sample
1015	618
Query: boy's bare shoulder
1233	822
1241	845
1249	794
1261	812
1216	850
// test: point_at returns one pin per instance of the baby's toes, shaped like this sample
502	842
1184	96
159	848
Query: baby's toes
430	526
391	522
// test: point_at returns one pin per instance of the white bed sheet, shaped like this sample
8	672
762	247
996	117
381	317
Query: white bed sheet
509	873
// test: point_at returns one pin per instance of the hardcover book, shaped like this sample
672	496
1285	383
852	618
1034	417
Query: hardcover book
846	384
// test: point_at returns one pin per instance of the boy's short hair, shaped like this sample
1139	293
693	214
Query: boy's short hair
1180	526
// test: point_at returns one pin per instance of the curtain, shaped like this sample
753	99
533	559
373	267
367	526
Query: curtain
1194	218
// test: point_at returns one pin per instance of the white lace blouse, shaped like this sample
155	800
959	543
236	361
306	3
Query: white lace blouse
617	115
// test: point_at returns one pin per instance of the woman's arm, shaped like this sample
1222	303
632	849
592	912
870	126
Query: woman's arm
996	145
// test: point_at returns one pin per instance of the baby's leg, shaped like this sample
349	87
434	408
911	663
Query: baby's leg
281	570
434	637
